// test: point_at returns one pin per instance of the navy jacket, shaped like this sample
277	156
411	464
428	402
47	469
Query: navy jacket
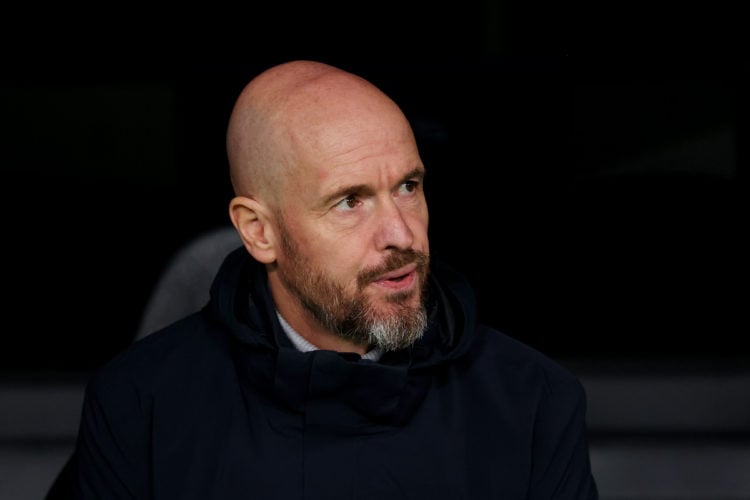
219	405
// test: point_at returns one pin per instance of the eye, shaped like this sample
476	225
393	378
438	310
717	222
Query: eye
409	186
349	203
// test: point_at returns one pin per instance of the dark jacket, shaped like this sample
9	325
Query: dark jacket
220	405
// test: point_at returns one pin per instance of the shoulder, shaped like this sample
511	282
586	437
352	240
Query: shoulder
175	355
513	360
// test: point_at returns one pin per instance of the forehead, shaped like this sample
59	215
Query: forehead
363	139
345	152
378	163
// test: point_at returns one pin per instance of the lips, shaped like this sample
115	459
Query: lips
400	270
399	280
398	274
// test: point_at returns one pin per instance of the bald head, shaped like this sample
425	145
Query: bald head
295	110
328	183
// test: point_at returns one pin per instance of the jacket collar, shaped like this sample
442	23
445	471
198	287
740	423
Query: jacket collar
328	386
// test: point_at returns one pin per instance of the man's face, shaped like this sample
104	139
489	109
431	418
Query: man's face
353	245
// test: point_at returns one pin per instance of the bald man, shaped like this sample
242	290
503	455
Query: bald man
335	359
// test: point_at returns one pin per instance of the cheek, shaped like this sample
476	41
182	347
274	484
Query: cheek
335	258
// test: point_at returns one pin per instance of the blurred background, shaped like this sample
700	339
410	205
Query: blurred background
587	169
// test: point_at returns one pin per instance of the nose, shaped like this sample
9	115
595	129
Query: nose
393	230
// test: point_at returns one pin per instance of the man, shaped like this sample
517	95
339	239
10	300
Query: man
335	359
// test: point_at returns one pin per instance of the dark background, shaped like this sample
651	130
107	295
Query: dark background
586	164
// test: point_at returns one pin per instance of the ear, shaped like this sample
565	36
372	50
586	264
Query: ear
253	224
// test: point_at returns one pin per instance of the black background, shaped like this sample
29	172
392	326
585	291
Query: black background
586	163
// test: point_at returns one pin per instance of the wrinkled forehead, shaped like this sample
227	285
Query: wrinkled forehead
352	154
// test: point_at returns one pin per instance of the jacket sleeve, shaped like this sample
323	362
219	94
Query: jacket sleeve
112	450
562	468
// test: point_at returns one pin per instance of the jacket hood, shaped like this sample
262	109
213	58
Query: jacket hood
386	391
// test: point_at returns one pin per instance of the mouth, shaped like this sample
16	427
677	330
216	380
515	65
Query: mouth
398	279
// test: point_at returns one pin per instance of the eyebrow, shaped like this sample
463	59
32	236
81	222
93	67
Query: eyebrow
416	173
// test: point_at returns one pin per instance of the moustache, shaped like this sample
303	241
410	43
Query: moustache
393	261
